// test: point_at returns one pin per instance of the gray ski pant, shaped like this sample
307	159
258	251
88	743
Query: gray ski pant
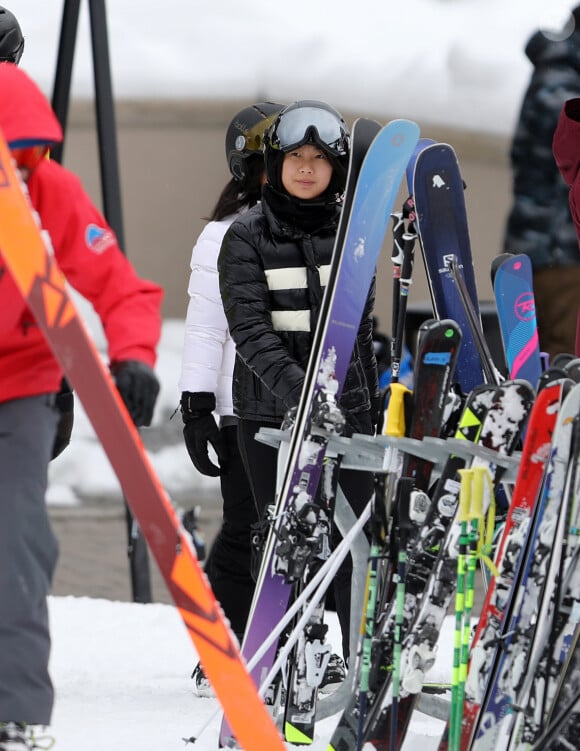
28	555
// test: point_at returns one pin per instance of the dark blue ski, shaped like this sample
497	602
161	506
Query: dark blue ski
441	223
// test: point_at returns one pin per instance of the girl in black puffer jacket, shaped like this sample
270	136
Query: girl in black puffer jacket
273	267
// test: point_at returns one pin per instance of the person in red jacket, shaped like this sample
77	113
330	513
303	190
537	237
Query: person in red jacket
566	149
88	254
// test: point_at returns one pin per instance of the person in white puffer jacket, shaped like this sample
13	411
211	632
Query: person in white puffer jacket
206	375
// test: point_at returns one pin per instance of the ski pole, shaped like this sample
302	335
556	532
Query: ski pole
316	587
333	568
492	374
394	426
397	260
404	490
406	272
558	724
367	628
480	475
463	516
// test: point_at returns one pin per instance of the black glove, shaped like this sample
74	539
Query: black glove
200	429
65	403
139	387
377	412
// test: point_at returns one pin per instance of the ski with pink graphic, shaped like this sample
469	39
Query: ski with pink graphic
516	309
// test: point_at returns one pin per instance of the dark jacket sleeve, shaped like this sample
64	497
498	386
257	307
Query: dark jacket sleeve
246	301
365	343
566	147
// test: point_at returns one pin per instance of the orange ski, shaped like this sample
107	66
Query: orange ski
30	261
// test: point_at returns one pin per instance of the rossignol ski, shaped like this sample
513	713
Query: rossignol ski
516	310
351	275
26	251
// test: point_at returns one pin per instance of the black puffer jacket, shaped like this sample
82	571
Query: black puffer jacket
271	282
539	223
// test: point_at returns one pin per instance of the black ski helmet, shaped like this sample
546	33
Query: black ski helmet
308	121
245	135
11	39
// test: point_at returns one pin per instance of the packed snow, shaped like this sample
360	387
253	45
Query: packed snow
122	676
122	670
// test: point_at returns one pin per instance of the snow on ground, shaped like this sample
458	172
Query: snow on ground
122	677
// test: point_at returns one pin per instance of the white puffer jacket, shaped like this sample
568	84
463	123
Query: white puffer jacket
208	350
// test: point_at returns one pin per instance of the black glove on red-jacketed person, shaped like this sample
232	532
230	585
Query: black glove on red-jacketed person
139	388
200	430
65	403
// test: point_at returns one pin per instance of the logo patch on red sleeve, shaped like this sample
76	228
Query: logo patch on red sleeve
98	239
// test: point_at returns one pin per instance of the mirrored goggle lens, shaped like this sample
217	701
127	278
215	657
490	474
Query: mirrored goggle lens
294	127
30	156
253	138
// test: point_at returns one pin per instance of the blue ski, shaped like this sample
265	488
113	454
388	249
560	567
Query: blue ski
514	297
441	224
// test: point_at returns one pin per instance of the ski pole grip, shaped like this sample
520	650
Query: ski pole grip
395	424
477	502
466	476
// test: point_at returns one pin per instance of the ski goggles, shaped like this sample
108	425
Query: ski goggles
310	124
30	156
252	139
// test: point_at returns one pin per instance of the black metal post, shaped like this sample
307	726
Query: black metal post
64	66
106	127
111	195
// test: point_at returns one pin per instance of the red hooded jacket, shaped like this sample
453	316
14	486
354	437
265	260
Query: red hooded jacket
85	248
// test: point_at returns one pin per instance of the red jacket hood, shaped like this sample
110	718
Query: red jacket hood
26	117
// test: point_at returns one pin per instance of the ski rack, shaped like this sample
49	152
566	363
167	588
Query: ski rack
370	453
345	520
367	453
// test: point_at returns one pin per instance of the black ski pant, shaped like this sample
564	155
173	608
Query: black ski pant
228	566
260	461
28	555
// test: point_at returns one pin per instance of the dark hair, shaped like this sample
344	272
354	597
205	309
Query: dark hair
239	194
